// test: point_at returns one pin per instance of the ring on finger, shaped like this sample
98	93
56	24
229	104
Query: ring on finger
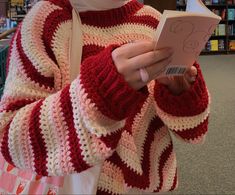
144	75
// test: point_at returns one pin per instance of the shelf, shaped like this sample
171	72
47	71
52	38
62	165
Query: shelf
217	36
211	5
213	52
217	5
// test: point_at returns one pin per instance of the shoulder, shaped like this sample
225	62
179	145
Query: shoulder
43	20
47	8
48	12
147	10
148	15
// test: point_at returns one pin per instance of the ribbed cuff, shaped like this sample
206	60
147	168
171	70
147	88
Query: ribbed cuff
107	88
189	103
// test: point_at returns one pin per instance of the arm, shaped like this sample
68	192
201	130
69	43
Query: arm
48	125
185	114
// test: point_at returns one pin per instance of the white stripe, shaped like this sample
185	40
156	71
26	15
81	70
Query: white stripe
149	11
127	151
61	128
23	87
51	144
92	153
83	134
105	36
169	172
60	47
15	143
31	32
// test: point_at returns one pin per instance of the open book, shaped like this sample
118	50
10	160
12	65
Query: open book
186	32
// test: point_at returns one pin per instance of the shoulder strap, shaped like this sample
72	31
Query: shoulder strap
75	49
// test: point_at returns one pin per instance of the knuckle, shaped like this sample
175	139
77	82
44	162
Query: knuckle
115	54
152	56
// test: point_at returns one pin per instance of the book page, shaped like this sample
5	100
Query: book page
197	6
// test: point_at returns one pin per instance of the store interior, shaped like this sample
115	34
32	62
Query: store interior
203	169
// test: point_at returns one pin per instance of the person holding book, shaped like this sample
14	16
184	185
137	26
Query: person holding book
106	131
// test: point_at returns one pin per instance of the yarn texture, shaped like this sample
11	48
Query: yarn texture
54	127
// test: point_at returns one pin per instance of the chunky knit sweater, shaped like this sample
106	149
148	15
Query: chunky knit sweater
55	127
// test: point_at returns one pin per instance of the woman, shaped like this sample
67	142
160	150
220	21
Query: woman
107	131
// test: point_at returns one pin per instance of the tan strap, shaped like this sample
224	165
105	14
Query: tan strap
75	49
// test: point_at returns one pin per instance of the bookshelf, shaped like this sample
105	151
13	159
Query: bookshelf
223	39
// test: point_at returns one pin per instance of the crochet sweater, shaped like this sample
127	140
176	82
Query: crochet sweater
55	127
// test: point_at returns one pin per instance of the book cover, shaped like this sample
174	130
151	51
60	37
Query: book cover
214	45
221	29
186	33
232	45
231	14
221	45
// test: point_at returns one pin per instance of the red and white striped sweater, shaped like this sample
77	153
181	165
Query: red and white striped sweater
56	128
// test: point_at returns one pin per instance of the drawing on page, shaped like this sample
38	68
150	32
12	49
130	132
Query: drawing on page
195	39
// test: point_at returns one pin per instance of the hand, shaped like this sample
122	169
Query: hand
131	57
178	84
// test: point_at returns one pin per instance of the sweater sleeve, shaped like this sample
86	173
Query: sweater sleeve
50	126
187	114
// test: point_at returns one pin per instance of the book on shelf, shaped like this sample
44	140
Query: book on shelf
220	12
221	44
232	45
221	30
186	33
216	2
214	45
231	14
231	29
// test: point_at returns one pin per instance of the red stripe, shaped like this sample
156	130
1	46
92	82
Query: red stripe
112	17
37	141
174	182
75	151
90	50
13	106
65	4
194	133
52	22
112	140
5	146
144	20
103	192
163	158
30	70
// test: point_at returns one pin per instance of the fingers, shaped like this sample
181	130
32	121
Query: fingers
158	68
191	74
149	58
135	48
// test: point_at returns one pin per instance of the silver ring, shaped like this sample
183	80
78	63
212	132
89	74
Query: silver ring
144	75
